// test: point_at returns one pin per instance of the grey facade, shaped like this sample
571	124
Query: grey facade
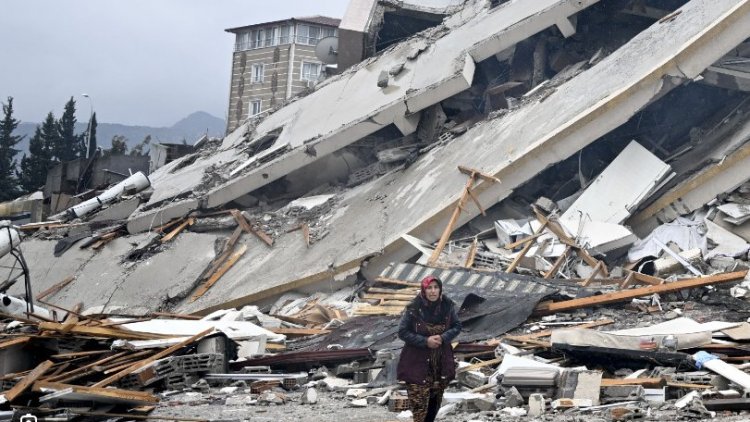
266	55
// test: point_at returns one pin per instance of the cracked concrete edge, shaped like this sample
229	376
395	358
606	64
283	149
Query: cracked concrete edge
153	218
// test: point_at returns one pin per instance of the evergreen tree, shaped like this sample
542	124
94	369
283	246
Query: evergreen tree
68	146
92	136
33	174
8	181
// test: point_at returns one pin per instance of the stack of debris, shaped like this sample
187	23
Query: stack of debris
563	166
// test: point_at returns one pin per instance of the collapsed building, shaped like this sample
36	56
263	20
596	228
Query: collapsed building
518	150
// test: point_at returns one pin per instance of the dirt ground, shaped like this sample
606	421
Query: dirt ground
334	406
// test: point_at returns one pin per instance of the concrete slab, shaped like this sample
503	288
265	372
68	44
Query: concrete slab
438	64
419	201
103	280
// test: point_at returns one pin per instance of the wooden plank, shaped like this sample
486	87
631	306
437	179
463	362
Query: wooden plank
519	242
94	392
83	369
298	331
55	288
645	382
393	281
164	353
166	226
597	268
557	230
453	220
480	365
391	296
689	386
476	202
103	332
219	273
625	295
476	173
558	263
647	279
78	354
472	253
628	281
14	342
171	235
71	319
241	221
25	382
513	265
389	291
259	233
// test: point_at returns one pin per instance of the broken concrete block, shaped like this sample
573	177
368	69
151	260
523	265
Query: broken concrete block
537	405
483	404
359	403
515	412
513	398
241	400
588	386
355	392
309	396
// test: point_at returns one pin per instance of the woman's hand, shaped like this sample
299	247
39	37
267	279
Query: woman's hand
433	342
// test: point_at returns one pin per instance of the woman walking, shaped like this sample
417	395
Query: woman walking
429	324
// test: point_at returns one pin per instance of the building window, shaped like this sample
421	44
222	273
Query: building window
257	73
255	107
311	34
260	38
310	71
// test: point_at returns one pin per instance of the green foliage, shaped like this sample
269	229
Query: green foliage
33	174
8	181
92	136
69	145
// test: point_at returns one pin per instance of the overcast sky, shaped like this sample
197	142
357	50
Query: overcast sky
143	62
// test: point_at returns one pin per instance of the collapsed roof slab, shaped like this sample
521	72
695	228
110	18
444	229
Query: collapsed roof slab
104	281
368	222
727	174
422	71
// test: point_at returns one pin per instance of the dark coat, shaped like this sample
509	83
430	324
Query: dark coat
414	364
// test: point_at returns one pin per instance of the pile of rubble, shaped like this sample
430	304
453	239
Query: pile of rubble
574	171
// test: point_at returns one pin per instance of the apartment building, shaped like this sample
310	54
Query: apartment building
273	61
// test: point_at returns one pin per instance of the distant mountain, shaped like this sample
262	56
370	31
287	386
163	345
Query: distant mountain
189	129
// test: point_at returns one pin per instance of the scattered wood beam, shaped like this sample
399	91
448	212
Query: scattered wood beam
472	254
55	288
558	263
171	235
525	250
473	175
226	266
164	353
625	295
25	382
14	342
645	382
260	234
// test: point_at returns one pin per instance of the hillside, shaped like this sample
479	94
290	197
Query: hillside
189	129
